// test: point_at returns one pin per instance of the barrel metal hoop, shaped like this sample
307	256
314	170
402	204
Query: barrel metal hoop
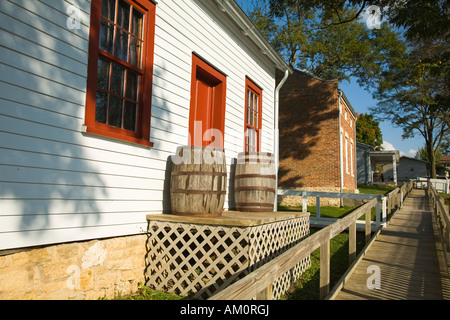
197	191
252	188
254	204
241	176
199	173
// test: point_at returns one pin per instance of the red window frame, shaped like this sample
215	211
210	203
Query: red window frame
144	95
253	115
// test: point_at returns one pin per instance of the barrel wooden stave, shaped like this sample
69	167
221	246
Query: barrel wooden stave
255	182
199	189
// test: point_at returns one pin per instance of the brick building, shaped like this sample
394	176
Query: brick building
317	136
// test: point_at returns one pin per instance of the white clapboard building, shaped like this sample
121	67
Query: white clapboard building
96	95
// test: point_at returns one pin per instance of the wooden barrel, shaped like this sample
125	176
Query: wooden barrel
255	182
198	181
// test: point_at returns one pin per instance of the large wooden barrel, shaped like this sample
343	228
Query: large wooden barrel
198	181
255	182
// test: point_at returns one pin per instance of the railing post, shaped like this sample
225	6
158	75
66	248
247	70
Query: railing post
318	207
378	213
401	198
304	202
368	226
266	294
352	243
324	269
383	210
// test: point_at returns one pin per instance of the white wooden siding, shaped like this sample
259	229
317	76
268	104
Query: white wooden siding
58	184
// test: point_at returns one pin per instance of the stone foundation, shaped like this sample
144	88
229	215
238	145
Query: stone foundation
311	201
74	271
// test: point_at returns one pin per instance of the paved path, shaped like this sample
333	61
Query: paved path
408	255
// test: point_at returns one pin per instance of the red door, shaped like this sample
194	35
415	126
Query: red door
203	112
207	110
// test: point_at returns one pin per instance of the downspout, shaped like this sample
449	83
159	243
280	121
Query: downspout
341	157
276	142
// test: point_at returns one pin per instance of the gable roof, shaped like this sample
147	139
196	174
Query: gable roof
445	158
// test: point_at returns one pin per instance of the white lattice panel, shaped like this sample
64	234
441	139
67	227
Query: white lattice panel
200	259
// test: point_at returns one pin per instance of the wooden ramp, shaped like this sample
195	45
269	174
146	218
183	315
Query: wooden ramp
406	258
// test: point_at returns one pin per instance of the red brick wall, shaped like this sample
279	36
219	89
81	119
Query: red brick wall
309	132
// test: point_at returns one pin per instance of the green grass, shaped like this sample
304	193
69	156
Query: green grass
307	286
375	189
325	211
145	293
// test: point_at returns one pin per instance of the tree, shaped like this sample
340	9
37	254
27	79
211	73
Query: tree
422	154
422	19
315	39
368	131
413	94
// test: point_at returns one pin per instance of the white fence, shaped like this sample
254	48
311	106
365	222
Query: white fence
441	185
386	204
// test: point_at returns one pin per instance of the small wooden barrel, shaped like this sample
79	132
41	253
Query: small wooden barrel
198	181
255	182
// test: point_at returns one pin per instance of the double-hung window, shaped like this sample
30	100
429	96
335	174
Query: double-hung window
118	103
253	116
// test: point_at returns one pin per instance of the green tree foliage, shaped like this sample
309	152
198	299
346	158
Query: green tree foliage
413	94
408	75
329	43
368	131
422	154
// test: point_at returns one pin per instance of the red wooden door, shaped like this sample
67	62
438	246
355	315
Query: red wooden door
203	111
207	110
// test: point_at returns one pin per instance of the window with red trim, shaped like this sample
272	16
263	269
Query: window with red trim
253	116
121	41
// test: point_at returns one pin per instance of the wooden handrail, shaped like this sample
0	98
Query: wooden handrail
262	278
259	282
442	215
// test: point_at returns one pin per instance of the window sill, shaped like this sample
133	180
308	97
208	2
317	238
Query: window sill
110	135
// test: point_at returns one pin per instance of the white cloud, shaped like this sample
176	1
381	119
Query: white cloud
412	152
388	146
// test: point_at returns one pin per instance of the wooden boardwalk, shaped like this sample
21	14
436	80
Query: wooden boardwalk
408	255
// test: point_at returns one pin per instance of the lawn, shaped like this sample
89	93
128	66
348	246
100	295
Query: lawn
375	189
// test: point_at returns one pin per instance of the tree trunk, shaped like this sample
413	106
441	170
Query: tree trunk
432	157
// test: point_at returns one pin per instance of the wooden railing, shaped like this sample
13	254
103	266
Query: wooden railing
442	216
259	282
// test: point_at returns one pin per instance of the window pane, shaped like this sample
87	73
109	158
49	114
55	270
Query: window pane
103	74
132	85
129	122
135	52
115	112
101	107
117	79
121	46
136	26
106	36
108	9
123	15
